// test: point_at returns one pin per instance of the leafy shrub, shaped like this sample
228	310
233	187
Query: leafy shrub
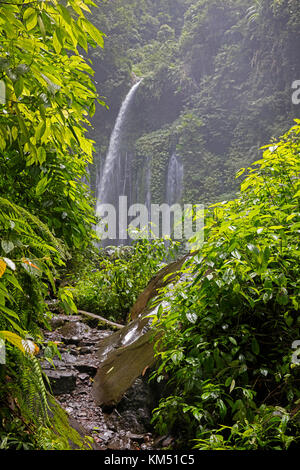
120	277
49	94
44	152
230	326
29	257
268	430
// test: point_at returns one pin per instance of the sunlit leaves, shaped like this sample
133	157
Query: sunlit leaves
2	267
7	246
243	292
66	298
93	32
32	249
48	97
9	263
192	317
41	186
57	42
26	346
30	18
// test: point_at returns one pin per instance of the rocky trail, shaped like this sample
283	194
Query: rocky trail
101	379
125	427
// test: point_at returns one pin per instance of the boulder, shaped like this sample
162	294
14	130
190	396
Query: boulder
128	353
164	277
63	381
122	366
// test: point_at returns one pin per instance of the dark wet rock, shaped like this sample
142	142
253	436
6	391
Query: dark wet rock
83	376
137	422
138	396
66	361
78	334
71	340
68	358
136	437
168	441
86	369
56	322
85	350
73	351
133	417
74	330
159	440
136	406
87	342
62	381
71	382
106	436
120	443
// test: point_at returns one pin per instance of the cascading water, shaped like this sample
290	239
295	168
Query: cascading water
113	178
174	180
148	185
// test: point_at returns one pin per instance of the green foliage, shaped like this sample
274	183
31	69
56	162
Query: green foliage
114	284
15	436
268	431
230	325
49	94
29	258
21	433
46	211
29	253
217	80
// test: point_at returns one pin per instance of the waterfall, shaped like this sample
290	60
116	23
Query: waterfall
148	185
113	179
174	180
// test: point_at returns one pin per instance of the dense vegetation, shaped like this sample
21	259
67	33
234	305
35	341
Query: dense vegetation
230	326
46	216
217	86
111	284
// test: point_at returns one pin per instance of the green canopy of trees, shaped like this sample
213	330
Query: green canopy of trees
46	211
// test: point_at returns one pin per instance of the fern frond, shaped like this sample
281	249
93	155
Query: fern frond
18	214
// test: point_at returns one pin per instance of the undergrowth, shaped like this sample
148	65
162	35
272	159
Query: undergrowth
112	285
231	328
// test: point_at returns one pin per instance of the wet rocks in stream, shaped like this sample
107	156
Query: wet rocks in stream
125	427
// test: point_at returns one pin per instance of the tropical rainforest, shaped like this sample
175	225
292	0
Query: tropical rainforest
164	101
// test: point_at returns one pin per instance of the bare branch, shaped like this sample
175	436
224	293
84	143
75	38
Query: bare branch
97	317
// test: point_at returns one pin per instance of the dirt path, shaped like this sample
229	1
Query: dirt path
126	427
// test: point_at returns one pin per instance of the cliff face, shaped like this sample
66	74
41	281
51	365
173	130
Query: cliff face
215	74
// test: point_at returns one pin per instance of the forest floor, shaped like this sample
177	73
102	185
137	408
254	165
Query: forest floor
126	427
